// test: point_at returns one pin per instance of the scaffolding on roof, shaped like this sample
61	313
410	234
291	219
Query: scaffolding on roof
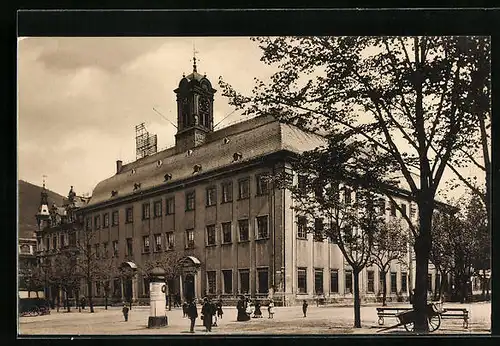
146	143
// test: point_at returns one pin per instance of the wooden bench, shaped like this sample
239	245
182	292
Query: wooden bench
456	314
389	312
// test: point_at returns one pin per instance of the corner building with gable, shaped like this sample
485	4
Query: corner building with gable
208	199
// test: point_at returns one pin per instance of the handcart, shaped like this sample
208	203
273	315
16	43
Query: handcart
407	318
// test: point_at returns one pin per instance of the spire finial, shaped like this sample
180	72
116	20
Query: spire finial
43	179
194	58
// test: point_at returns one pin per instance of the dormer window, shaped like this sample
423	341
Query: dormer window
132	171
114	193
159	163
196	168
137	186
189	152
167	177
225	140
237	156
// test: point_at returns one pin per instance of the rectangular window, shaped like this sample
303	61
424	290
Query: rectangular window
318	281
211	196
347	195
54	243
97	221
211	235
262	184
381	281
371	281
228	281
318	229
429	282
301	227
157	242
334	281
211	281
170	206
302	280
227	192
243	228
145	211
302	181
262	227
263	278
62	240
145	243
130	251
117	288
244	281
404	282
96	251
393	208
170	240
145	280
114	218
244	188
158	208
89	224
129	215
403	209
105	252
226	233
190	201
105	220
190	238
115	248
348	281
394	282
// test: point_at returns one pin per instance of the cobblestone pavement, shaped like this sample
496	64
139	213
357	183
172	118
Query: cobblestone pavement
287	320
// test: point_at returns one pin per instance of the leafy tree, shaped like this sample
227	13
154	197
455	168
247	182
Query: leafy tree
171	263
408	96
33	278
332	192
389	246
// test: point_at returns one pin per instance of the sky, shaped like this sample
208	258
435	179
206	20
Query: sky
79	99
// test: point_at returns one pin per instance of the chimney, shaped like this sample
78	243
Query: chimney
118	166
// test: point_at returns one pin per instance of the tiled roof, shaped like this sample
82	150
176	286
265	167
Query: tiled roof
252	138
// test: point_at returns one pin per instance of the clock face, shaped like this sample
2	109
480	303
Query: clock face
204	105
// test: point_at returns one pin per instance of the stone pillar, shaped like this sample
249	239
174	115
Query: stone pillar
181	288
135	288
157	302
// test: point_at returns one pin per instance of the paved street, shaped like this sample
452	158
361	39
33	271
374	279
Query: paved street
287	320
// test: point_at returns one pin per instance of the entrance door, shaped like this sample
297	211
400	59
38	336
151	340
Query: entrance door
127	289
189	286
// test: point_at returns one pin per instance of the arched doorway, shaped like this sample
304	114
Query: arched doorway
127	273
189	277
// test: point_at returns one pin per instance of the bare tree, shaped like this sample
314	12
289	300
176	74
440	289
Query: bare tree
108	270
65	275
389	246
88	261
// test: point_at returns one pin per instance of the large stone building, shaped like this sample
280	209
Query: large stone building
208	199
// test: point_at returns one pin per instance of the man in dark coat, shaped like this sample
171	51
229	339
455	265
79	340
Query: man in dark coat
207	313
304	308
192	314
242	307
219	309
125	312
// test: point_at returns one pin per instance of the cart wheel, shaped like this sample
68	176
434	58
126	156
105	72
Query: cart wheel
434	322
380	321
410	327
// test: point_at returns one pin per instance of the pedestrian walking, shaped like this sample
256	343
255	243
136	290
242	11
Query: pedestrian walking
125	312
83	302
207	314
270	309
257	313
241	308
304	307
219	309
213	308
185	308
192	313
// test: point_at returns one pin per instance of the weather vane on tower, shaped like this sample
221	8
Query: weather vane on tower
194	58
43	179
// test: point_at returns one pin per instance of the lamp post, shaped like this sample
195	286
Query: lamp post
157	301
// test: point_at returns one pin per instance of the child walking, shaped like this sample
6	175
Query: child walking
304	308
270	309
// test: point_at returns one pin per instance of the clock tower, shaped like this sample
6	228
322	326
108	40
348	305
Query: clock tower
195	117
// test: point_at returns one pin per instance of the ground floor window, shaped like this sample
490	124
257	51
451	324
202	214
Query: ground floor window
318	281
244	281
348	281
394	287
371	281
146	286
302	280
211	281
117	288
334	281
228	281
263	278
381	281
404	282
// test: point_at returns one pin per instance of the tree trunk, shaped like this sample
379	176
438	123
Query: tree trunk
28	293
483	284
77	300
169	301
384	287
58	298
106	293
357	302
89	289
66	299
37	294
420	297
